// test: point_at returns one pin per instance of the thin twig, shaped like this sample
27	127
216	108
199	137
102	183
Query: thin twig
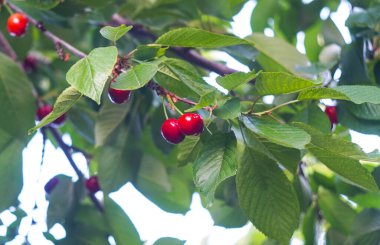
47	33
67	150
6	47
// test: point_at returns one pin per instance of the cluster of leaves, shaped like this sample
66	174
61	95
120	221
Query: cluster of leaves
276	165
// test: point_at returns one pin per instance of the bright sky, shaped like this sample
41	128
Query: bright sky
151	222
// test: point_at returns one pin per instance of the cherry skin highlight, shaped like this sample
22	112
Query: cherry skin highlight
92	184
171	132
118	96
331	113
17	24
191	124
43	111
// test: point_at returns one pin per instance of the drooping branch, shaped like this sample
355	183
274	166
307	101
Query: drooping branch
48	34
190	55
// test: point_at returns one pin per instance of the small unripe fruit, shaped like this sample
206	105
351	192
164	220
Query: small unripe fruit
191	124
118	96
331	113
92	184
171	132
17	24
44	110
51	184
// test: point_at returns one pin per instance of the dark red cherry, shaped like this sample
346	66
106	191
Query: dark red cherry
331	113
92	184
30	63
171	132
118	96
191	124
17	24
44	110
51	184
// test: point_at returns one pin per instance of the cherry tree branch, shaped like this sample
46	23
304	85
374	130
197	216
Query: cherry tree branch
48	34
190	55
6	47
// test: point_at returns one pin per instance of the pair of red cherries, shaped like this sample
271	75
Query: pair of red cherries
174	131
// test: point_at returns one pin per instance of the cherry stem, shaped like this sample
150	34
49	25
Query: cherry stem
7	8
268	112
164	107
6	47
173	104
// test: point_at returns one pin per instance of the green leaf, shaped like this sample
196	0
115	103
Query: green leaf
367	18
365	226
276	54
338	213
11	177
114	33
197	38
188	149
90	74
368	200
42	4
266	196
274	83
17	105
206	100
230	110
234	80
358	94
122	228
61	201
288	157
309	226
168	241
216	162
169	192
226	215
64	102
181	78
261	14
285	135
109	117
136	77
315	117
340	156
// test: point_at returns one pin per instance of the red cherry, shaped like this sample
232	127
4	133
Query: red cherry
51	184
92	184
118	96
191	123
171	132
17	24
331	113
43	111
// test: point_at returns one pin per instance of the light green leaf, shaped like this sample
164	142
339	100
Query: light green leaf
236	79
122	228
340	156
282	134
230	110
358	94
226	215
18	106
64	102
276	54
114	33
90	74
216	162
136	77
338	213
206	100
197	38
266	196
168	241
274	83
11	177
